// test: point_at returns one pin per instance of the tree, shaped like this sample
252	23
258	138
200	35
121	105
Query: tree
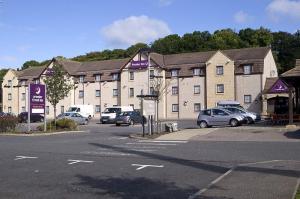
58	86
168	45
226	39
30	63
134	48
2	73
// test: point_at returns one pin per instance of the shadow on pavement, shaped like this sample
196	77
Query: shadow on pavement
293	134
133	188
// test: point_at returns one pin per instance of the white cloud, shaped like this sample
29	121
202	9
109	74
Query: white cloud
8	58
165	2
242	17
284	8
134	29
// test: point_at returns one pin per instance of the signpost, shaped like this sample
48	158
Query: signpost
36	102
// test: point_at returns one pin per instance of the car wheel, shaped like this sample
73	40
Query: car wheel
233	122
250	120
131	122
203	124
86	122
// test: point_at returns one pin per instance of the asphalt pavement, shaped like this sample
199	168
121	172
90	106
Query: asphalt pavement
103	162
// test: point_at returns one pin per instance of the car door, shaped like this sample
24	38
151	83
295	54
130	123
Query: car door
220	117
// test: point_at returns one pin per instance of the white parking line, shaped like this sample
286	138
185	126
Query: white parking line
142	166
106	153
79	161
20	157
155	144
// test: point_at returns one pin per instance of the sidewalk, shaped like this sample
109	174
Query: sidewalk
186	134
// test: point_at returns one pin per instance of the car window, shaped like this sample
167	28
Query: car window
219	112
206	112
78	110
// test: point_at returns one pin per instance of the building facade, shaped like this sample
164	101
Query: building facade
186	82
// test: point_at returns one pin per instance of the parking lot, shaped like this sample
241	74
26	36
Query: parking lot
101	161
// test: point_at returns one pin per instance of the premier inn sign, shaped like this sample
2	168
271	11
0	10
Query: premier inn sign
142	64
37	99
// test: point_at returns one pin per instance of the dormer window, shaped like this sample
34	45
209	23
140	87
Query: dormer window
174	73
9	83
36	81
22	82
219	70
247	69
81	78
196	71
115	76
97	78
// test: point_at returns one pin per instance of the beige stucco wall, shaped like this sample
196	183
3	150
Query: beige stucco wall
186	94
13	103
172	99
213	79
270	69
249	85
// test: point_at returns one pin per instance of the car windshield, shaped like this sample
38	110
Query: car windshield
112	110
125	113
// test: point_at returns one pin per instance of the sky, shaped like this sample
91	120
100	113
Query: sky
42	29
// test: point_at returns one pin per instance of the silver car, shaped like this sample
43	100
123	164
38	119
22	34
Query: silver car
219	117
76	117
250	116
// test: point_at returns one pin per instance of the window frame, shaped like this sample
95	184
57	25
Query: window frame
217	90
194	71
115	92
81	78
246	101
81	94
195	105
23	96
174	72
96	108
97	78
151	73
248	72
98	92
115	76
131	92
9	96
175	90
131	75
197	86
174	108
218	71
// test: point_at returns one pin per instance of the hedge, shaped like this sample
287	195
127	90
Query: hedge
8	123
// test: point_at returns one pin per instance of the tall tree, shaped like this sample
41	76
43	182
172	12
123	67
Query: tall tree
134	48
58	86
168	45
30	63
226	39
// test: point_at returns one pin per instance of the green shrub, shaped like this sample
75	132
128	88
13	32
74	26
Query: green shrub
8	123
61	124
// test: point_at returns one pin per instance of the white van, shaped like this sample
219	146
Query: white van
84	110
110	113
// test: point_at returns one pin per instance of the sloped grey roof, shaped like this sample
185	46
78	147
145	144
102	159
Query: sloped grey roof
31	72
70	66
247	53
95	66
187	58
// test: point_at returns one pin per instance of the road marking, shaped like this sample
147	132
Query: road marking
119	138
78	161
262	162
163	141
142	166
20	157
211	184
106	153
158	144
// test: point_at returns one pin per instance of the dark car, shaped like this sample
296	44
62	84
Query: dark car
34	117
129	118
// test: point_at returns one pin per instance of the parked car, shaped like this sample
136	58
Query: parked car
250	116
84	110
129	118
219	117
34	117
76	117
109	115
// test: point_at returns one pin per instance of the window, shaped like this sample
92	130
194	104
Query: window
175	108
197	89
36	81
131	92
131	75
97	109
9	109
197	107
115	92
151	74
220	88
219	70
151	91
81	78
196	71
97	78
47	110
247	99
9	83
115	76
9	96
98	94
174	90
81	94
22	82
206	112
174	73
219	112
23	109
62	109
23	98
247	69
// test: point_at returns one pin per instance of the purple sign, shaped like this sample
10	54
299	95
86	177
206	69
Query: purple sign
142	64
279	87
37	98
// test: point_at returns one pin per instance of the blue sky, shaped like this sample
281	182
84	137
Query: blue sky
42	29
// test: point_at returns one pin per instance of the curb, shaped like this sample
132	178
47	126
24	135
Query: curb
40	134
